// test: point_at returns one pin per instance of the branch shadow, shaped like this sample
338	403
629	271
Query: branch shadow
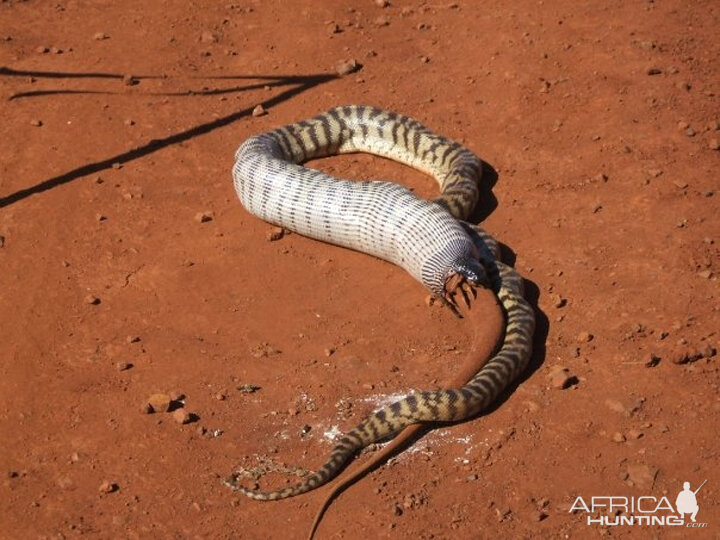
303	83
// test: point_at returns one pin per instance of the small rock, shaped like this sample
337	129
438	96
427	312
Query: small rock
248	388
382	21
686	356
129	80
538	515
117	165
680	184
181	416
129	122
42	49
682	125
208	37
220	396
559	301
430	300
123	366
275	234
35	122
705	274
397	510
334	28
642	476
92	300
382	3
618	437
204	217
100	36
654	71
329	351
56	50
714	144
259	110
585	337
690	132
160	402
654	173
345	67
653	361
176	395
425	59
146	408
635	434
563	380
617	406
132	339
2	241
100	217
108	487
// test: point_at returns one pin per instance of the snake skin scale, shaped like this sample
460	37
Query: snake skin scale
427	238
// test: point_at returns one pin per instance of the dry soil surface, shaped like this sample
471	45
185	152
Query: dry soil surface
129	268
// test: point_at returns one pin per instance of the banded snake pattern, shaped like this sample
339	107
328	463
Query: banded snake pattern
426	238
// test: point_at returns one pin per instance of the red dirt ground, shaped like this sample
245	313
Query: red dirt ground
601	120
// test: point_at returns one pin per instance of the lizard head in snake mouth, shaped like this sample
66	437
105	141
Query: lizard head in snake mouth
463	277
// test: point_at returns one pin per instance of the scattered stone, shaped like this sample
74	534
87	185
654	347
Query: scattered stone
714	144
92	300
382	3
618	437
117	165
585	337
642	476
248	388
561	378
108	487
123	366
687	356
705	274
690	132
200	430
220	396
129	122
654	361
635	434
616	406
346	67
100	217
181	416
129	80
680	184
263	350
329	351
708	351
654	173
146	408
538	515
100	36
208	37
682	125
275	234
397	509
430	300
559	301
160	402
2	241
683	85
654	71
132	339
42	49
35	122
204	217
382	21
56	50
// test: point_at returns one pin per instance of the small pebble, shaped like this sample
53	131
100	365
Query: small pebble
539	515
275	234
2	241
714	144
635	434
618	437
345	67
705	274
108	487
382	21
100	36
204	217
100	217
146	408
329	351
585	337
425	59
654	71
181	416
259	110
132	339
92	300
690	132
42	49
682	125
159	402
208	37
129	80
382	3
35	122
123	366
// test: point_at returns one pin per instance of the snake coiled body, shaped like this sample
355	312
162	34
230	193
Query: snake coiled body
383	219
